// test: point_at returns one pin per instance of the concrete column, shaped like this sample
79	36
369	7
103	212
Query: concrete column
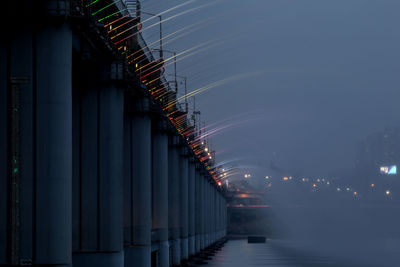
191	176
53	146
103	191
174	214
207	214
217	214
220	226
3	150
89	173
198	211
184	181
138	253
218	230
203	184
160	188
224	217
213	213
110	176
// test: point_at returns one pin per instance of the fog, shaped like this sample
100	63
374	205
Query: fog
307	86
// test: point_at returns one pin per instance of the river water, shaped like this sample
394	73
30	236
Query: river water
238	253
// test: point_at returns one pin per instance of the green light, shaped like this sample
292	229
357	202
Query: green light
15	170
92	3
100	20
107	6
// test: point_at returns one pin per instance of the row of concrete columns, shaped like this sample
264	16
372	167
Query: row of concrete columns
103	181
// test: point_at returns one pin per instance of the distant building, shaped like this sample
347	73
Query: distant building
378	160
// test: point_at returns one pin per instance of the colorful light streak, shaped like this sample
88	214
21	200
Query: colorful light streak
119	26
88	5
107	6
106	17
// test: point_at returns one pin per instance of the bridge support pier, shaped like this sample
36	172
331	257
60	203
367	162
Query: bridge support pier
191	202
138	252
52	225
208	213
203	206
184	181
104	247
174	213
198	211
160	188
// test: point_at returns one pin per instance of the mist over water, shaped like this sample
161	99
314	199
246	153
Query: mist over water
341	228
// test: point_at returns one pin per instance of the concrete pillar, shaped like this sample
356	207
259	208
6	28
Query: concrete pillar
102	192
218	216
184	181
203	184
213	213
110	176
224	217
221	209
138	252
4	149
160	188
198	211
89	173
174	214
191	176
207	213
53	146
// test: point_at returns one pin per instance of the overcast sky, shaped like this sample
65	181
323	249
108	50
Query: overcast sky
315	76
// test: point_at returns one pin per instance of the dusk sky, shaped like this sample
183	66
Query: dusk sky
312	77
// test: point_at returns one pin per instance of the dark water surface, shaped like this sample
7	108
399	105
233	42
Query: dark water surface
238	253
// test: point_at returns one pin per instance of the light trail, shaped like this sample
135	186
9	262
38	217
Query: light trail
155	24
88	5
216	84
169	10
175	56
192	28
107	6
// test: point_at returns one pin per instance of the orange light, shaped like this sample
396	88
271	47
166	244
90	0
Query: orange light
285	178
314	185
